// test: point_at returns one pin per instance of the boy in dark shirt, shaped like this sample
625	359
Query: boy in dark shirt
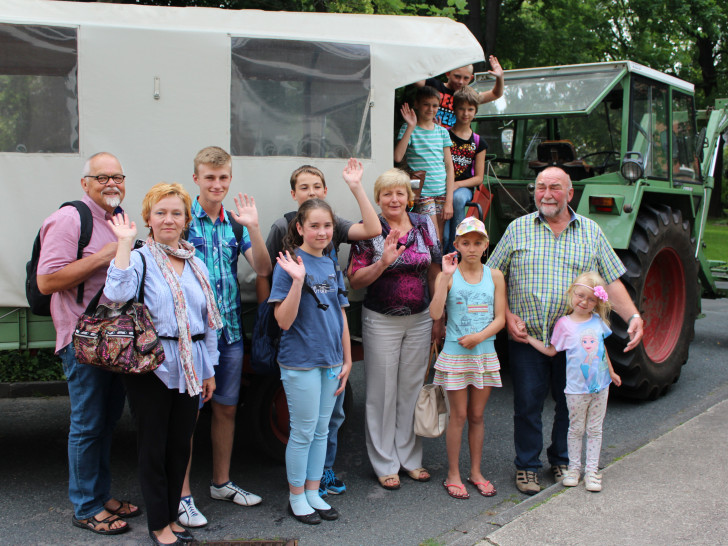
456	80
308	182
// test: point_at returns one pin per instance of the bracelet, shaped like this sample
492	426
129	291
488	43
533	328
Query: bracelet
636	315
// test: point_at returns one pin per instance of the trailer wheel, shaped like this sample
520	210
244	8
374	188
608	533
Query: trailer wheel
269	417
662	279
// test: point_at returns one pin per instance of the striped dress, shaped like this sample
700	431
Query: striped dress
469	310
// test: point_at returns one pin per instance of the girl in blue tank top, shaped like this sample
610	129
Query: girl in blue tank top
468	366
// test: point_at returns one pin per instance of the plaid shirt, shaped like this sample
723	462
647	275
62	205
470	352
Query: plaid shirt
540	267
216	246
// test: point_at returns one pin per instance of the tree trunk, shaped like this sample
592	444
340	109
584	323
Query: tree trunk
492	12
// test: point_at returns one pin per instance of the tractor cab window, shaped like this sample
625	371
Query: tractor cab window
299	98
687	147
649	133
38	91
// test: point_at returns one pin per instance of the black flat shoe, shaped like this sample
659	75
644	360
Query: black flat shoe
156	541
329	515
184	536
309	519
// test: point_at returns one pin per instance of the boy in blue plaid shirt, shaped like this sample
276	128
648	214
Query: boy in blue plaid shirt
214	234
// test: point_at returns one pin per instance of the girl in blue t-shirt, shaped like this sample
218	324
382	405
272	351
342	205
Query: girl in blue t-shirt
314	353
468	368
589	372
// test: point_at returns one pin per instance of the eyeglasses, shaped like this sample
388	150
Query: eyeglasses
103	178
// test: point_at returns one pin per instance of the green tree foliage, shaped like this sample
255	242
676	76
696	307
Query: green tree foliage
688	39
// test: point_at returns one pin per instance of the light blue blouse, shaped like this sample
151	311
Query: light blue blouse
123	284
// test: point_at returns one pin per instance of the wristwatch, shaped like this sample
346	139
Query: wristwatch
636	315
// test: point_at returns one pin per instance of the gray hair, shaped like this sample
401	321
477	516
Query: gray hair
87	166
568	178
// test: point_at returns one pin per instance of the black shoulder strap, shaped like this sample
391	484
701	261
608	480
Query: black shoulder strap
87	228
140	298
237	230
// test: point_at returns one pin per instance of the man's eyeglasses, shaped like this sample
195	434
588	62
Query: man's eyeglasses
103	179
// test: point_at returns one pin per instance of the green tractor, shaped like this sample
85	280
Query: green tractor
628	137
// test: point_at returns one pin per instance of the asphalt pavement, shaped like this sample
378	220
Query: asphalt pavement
34	507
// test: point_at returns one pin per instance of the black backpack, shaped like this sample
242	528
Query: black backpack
40	304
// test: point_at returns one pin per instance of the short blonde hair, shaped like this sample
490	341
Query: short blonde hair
592	279
393	178
213	155
159	192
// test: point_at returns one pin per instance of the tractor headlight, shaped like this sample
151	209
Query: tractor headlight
632	166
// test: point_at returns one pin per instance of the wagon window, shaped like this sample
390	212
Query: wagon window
38	92
299	98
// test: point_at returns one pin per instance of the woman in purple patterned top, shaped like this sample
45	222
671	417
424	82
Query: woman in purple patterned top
399	268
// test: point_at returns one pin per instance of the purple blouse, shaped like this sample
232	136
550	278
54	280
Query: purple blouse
402	288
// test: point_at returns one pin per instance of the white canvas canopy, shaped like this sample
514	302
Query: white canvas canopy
153	85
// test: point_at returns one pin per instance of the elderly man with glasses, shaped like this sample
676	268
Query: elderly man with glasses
96	396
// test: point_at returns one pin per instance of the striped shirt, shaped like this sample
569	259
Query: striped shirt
216	246
540	267
425	152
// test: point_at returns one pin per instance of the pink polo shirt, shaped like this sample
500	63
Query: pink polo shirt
59	236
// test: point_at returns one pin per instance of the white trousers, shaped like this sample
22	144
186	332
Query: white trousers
395	358
586	411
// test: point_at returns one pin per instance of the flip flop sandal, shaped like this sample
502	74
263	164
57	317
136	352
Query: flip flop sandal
483	484
92	523
123	511
416	474
465	494
384	479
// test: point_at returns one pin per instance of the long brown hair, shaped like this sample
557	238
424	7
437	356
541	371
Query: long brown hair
293	239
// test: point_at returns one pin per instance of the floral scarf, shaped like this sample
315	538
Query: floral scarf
186	252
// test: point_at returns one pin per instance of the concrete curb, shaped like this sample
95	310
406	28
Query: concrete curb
33	388
476	529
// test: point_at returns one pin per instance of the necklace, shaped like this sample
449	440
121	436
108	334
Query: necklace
480	274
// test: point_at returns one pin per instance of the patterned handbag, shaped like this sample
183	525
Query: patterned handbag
118	337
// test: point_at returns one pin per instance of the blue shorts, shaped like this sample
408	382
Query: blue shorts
228	373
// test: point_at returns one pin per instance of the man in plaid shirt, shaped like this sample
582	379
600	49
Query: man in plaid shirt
216	243
541	254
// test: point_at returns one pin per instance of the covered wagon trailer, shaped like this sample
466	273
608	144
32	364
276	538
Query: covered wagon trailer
153	85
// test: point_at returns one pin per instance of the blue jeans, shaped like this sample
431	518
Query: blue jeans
337	419
459	197
533	374
97	401
310	396
228	373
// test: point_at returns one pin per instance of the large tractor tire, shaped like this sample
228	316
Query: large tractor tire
269	418
662	279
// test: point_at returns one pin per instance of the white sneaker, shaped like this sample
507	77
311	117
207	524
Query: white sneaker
189	515
233	493
593	481
571	478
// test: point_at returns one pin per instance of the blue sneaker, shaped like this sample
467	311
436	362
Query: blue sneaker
331	484
322	489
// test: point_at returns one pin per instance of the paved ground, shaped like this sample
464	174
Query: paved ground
671	491
34	508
